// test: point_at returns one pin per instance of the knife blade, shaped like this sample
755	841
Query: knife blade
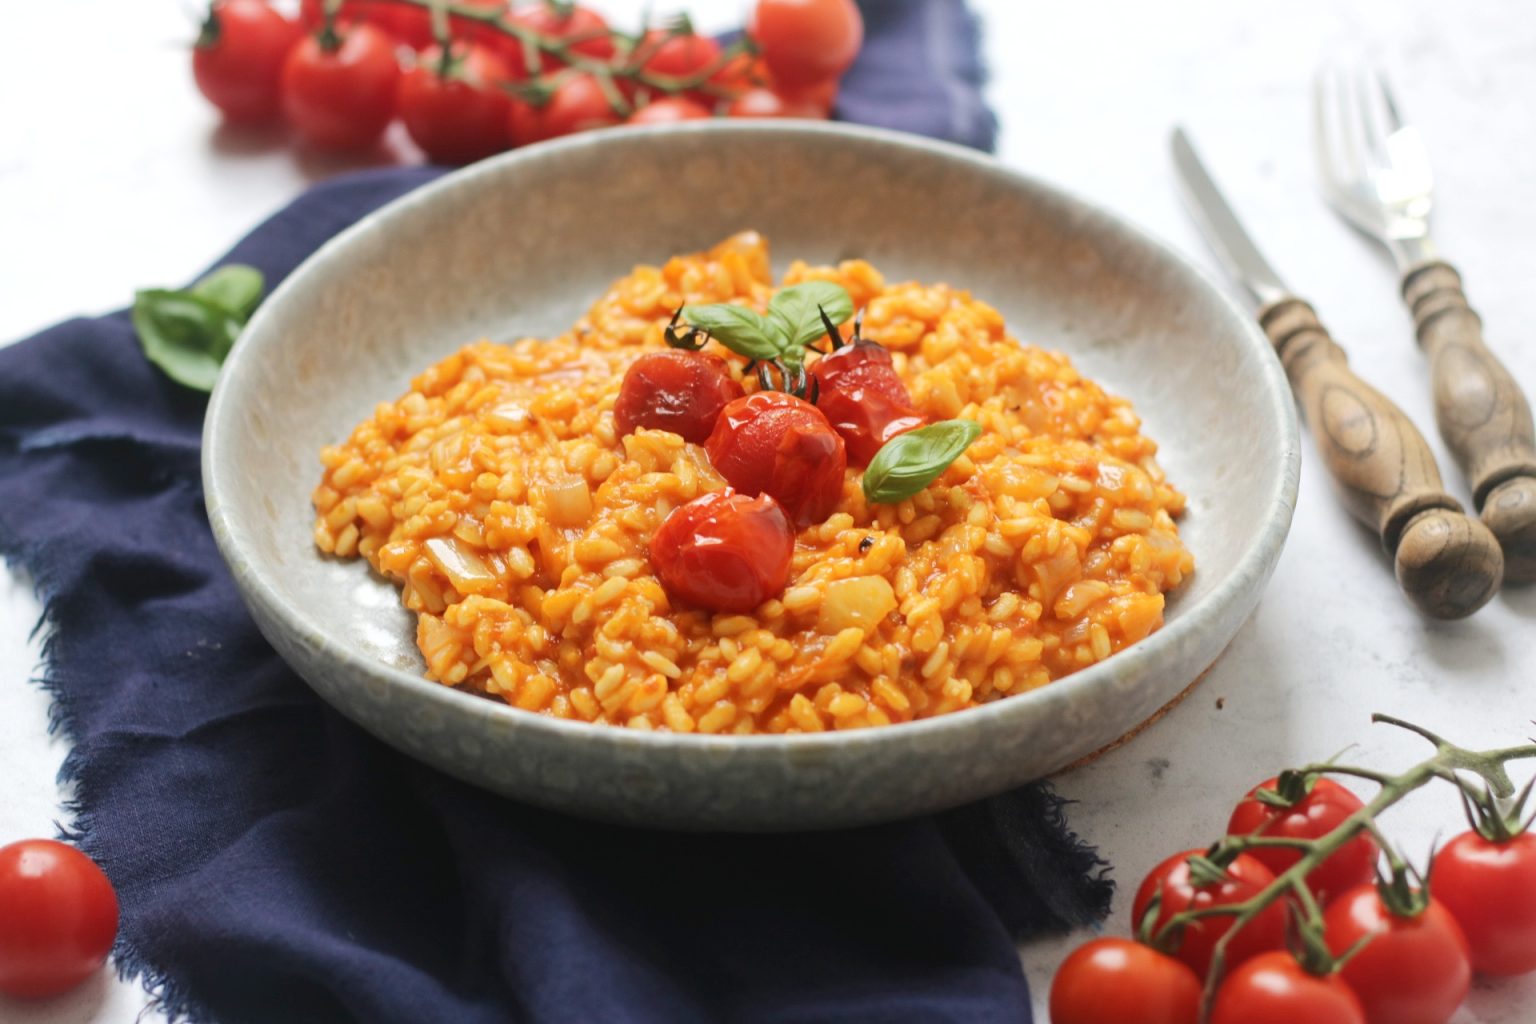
1239	256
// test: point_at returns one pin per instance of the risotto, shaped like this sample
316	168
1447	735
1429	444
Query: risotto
501	498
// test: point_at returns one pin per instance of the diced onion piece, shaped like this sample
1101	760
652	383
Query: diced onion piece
566	500
463	566
860	602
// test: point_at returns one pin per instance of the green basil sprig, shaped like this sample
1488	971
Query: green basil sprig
188	333
909	462
792	323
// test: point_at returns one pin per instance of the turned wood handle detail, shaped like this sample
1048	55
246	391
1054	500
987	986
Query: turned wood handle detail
1448	564
1482	415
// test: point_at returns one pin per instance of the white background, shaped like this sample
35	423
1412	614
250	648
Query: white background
114	174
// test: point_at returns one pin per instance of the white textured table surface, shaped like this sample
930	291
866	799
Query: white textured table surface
121	178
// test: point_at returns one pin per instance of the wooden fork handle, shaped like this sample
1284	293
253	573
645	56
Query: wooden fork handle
1449	565
1483	417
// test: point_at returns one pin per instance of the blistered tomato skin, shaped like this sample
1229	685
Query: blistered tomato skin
675	390
726	552
774	443
864	399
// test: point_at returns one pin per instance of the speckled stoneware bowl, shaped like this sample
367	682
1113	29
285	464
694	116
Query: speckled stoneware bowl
521	244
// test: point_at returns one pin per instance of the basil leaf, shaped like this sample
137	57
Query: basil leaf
235	287
185	335
795	313
909	462
738	328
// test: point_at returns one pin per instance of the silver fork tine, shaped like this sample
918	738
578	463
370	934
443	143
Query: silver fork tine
1372	126
1394	120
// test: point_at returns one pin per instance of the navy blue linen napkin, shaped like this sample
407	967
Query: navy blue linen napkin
274	862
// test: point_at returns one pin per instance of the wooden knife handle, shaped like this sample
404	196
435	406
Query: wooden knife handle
1448	564
1483	417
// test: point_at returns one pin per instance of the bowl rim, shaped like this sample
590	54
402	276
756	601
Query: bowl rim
1251	570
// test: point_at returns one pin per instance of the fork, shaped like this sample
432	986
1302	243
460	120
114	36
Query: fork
1375	172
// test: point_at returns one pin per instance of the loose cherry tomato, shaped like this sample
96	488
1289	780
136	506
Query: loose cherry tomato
669	110
807	41
678	55
774	443
1490	888
463	117
726	552
1245	876
238	59
864	399
1316	814
767	103
581	28
342	98
58	917
1273	988
578	104
1415	970
1117	981
675	390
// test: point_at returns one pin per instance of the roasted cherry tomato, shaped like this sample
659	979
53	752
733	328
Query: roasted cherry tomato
1117	981
774	443
864	399
1490	888
675	390
238	59
1415	970
1273	988
342	98
577	104
807	41
725	552
463	116
1314	815
58	917
1245	877
668	111
762	102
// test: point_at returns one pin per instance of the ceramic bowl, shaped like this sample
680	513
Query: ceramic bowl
521	244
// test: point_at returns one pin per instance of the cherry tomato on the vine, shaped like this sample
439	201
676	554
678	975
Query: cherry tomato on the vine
1316	814
1273	988
774	443
669	110
58	917
578	104
1117	981
238	58
676	55
804	42
1490	888
674	390
725	551
1414	970
464	116
581	28
762	102
1245	877
864	398
342	98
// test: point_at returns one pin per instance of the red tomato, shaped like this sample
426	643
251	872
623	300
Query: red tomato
742	72
1490	888
1416	970
675	390
583	29
239	56
464	117
767	103
774	443
807	41
577	105
676	55
1316	814
1117	981
405	23
725	552
1274	989
669	110
863	398
342	99
312	12
1245	877
488	36
58	917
